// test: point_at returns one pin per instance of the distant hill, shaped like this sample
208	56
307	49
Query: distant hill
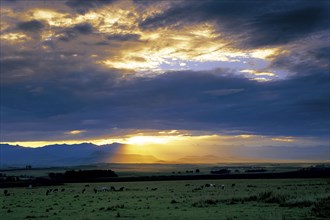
135	158
205	159
88	153
55	155
68	155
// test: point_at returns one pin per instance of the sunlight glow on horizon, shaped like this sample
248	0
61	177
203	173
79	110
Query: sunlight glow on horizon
162	138
169	145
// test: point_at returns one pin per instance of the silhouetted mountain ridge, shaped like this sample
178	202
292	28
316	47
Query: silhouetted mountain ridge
56	155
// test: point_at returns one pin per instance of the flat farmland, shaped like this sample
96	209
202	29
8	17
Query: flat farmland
198	199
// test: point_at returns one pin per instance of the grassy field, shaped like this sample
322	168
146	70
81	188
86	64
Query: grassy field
158	169
240	199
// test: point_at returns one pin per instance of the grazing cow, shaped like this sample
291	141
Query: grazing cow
154	189
210	185
6	192
233	185
62	190
121	188
105	189
222	187
197	189
55	190
102	189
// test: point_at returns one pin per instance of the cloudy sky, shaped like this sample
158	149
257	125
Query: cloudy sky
168	78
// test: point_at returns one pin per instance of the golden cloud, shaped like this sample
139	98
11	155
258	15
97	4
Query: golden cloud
194	43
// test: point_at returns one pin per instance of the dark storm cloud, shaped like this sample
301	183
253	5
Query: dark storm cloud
276	28
38	90
123	37
9	65
83	6
30	26
250	23
8	2
180	100
69	34
46	92
84	28
304	61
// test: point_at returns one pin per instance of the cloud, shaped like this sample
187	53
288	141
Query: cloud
82	6
71	33
84	28
251	23
62	80
223	92
30	26
304	60
281	27
179	100
123	37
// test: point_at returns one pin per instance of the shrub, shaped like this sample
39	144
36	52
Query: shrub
174	201
205	203
300	203
267	197
322	208
270	197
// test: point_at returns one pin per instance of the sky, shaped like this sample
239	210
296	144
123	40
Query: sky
233	79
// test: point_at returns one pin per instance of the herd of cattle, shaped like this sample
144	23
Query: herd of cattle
95	190
211	185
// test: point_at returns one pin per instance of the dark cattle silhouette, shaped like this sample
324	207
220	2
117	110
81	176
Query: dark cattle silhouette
121	189
6	192
197	189
102	189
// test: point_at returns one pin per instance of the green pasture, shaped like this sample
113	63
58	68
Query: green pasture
157	169
240	199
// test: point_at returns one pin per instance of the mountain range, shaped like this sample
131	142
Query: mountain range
83	154
56	155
